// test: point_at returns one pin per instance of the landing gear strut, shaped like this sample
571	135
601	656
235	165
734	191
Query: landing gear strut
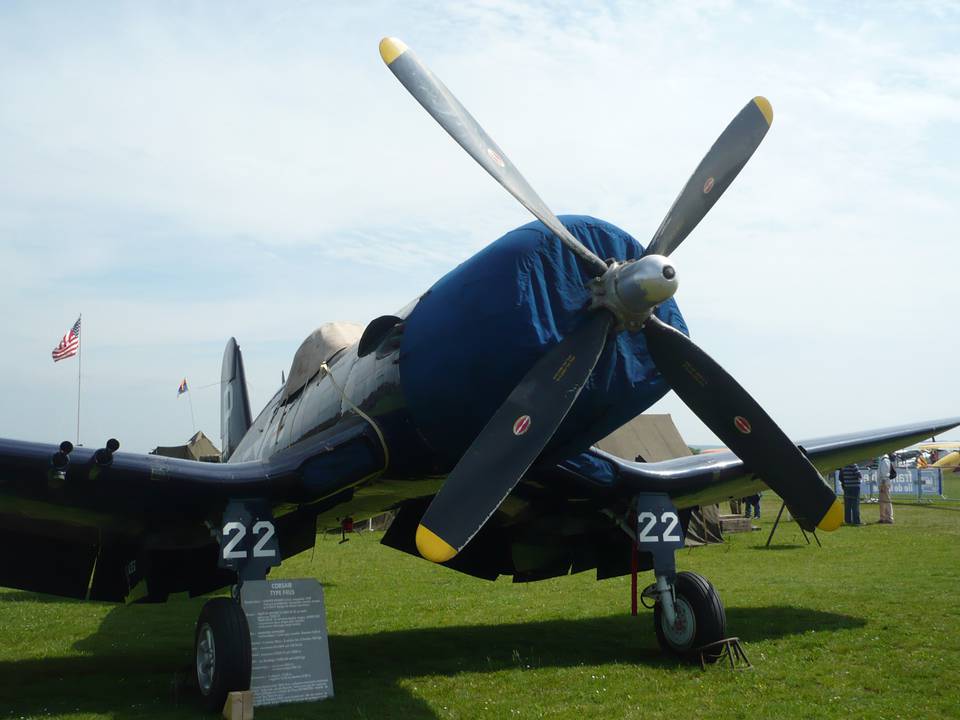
222	648
687	611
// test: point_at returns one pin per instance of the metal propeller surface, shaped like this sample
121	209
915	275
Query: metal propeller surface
625	295
510	442
743	426
722	163
453	117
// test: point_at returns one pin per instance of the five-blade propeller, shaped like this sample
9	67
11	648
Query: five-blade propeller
625	296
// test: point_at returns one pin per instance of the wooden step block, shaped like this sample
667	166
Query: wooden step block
735	523
239	706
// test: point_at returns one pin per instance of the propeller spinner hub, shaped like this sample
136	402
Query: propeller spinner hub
631	290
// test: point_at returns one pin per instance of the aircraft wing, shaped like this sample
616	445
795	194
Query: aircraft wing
77	528
93	478
709	478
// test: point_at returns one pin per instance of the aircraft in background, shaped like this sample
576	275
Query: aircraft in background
949	461
930	454
945	455
471	413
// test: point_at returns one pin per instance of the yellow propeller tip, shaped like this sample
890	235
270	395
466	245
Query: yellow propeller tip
391	48
833	519
761	102
432	546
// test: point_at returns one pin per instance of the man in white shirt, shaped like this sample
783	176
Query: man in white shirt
884	471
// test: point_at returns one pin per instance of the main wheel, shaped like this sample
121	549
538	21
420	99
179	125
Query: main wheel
701	618
221	652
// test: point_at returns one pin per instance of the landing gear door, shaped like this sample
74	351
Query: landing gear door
248	539
658	530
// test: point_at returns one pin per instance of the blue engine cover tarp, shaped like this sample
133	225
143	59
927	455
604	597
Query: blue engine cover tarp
481	327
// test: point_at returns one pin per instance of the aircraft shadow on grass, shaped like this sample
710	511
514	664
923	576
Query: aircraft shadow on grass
778	547
22	596
136	664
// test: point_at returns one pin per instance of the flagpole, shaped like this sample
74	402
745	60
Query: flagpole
192	421
79	366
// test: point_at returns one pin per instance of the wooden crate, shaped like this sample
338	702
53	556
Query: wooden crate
735	524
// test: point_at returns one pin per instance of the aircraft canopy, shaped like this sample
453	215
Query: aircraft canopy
320	345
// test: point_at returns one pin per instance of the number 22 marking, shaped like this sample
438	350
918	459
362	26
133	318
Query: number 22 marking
647	522
264	528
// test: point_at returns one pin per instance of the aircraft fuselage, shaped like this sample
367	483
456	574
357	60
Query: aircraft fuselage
462	346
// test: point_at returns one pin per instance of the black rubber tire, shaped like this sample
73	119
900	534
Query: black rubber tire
231	636
710	619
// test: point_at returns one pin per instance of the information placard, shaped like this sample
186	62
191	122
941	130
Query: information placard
288	635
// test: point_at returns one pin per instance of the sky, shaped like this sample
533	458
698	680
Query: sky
181	172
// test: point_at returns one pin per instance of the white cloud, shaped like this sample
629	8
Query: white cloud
267	152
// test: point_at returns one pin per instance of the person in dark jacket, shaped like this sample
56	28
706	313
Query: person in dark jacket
850	480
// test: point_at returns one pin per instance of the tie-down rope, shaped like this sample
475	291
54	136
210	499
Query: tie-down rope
361	413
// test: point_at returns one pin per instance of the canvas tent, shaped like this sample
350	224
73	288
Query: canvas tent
652	438
198	447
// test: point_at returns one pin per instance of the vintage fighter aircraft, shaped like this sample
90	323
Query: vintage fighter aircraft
471	413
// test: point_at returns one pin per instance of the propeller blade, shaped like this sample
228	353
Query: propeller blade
713	175
743	426
433	95
510	442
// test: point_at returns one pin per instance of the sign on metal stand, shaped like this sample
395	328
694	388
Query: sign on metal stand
289	642
919	482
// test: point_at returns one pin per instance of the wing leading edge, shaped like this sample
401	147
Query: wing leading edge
709	478
295	474
106	523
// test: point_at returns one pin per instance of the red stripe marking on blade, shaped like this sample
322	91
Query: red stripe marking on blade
521	425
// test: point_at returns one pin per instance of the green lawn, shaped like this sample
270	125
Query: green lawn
951	484
868	626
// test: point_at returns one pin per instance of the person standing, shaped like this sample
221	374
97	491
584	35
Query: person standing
885	475
850	480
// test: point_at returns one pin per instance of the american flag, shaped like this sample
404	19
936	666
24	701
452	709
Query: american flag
69	345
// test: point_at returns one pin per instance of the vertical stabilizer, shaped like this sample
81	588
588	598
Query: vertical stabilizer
235	417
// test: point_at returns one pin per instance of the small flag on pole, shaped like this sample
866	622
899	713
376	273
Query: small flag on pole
69	345
183	388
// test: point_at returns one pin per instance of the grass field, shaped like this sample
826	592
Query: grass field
868	626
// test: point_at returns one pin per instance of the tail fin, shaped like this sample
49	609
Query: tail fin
235	417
